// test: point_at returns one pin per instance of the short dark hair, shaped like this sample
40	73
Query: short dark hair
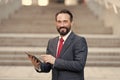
64	11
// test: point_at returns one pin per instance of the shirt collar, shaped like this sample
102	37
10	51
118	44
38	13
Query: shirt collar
66	36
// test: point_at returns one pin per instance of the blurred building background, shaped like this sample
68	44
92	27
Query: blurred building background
27	25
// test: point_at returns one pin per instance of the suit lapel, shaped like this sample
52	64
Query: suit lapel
67	44
55	46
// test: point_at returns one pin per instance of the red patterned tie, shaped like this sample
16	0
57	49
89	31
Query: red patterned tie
60	47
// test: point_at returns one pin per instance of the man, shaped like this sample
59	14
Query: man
66	58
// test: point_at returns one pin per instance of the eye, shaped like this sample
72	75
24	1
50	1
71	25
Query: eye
58	21
65	21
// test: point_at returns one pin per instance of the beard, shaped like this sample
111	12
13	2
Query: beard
63	32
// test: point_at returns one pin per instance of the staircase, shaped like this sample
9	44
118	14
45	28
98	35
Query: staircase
30	28
35	19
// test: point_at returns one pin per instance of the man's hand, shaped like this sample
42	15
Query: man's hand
34	61
48	59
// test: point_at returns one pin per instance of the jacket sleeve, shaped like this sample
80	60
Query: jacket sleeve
44	67
80	55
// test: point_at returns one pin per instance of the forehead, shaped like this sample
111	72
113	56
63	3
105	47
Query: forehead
63	16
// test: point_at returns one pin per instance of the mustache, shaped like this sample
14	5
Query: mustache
62	27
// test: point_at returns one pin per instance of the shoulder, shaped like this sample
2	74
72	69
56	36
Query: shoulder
78	37
53	39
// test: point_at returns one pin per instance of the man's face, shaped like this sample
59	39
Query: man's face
63	23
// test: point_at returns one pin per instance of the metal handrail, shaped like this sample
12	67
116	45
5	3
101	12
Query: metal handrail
115	4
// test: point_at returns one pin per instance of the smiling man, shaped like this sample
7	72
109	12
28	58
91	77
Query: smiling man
66	54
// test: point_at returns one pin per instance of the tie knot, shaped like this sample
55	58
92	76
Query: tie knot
61	40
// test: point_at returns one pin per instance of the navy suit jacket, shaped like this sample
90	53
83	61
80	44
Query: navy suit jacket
70	65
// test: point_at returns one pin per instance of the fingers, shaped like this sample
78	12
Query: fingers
34	61
33	58
48	59
45	58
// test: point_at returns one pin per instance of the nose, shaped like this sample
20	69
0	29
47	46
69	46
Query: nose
62	24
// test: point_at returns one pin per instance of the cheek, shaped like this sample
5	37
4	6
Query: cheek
67	24
57	25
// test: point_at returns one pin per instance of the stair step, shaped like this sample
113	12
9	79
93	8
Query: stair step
15	63
96	56
41	40
103	64
88	63
28	21
93	58
22	49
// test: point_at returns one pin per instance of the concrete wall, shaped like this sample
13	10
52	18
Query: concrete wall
7	7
